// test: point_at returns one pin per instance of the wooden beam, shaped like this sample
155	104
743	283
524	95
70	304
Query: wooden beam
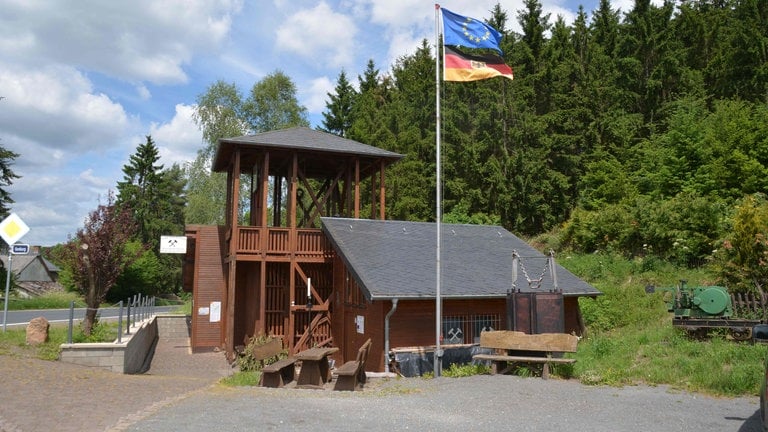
373	197
235	194
227	215
515	340
229	319
318	199
277	201
293	191
264	238
264	189
262	298
357	188
382	190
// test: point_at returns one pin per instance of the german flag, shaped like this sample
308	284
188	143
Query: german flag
459	66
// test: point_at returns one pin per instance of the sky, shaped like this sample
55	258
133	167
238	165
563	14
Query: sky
83	82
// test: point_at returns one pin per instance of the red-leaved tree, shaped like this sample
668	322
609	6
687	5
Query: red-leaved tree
97	255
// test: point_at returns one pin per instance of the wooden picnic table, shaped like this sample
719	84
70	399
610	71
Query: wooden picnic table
315	369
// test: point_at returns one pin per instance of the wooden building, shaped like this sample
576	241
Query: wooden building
385	283
34	275
299	262
252	275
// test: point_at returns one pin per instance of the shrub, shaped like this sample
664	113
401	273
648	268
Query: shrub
742	258
247	363
464	370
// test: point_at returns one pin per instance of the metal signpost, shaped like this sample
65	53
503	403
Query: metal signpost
12	229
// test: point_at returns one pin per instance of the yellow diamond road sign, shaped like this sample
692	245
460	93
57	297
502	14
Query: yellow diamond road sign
12	229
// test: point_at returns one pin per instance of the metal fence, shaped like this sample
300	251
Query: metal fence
466	329
131	311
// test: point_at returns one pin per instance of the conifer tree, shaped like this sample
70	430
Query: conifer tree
337	118
156	201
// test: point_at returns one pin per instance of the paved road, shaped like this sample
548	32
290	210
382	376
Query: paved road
22	317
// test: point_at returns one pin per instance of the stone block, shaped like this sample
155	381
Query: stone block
37	331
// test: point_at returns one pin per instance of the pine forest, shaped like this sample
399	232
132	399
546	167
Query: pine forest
641	132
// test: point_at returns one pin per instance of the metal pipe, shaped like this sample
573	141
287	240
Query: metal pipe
553	269
120	324
128	316
7	288
386	334
515	258
71	320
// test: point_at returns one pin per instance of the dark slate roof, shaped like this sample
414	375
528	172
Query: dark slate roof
300	138
395	259
20	263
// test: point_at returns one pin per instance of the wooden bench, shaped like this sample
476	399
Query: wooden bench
275	374
518	347
351	374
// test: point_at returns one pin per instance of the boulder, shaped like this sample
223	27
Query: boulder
37	331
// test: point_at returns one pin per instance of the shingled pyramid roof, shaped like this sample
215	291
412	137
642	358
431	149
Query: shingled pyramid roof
300	138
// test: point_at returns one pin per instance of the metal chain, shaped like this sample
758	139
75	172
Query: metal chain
541	276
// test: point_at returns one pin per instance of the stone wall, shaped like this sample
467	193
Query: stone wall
173	326
129	356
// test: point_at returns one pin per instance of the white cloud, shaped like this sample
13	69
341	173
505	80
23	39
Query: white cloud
401	13
143	92
66	136
178	140
405	44
319	35
54	108
55	206
143	40
317	96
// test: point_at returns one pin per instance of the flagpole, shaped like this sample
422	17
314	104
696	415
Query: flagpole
438	212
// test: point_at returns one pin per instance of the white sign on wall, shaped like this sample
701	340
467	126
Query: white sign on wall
360	324
173	244
215	312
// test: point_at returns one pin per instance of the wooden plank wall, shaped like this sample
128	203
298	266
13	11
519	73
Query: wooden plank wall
209	286
413	324
247	300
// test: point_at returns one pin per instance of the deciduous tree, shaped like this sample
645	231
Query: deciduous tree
222	112
97	255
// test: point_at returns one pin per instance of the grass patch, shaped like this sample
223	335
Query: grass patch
457	371
630	338
52	300
13	342
240	379
661	354
184	309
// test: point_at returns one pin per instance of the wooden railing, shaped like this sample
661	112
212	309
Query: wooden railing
309	241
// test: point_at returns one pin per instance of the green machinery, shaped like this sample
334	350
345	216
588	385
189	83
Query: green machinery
702	308
698	302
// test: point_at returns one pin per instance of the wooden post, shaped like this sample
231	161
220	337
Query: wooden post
229	319
382	190
357	188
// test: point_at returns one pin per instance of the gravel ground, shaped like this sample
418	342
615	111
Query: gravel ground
447	404
180	393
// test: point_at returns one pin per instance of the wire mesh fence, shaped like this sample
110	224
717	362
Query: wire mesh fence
466	329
